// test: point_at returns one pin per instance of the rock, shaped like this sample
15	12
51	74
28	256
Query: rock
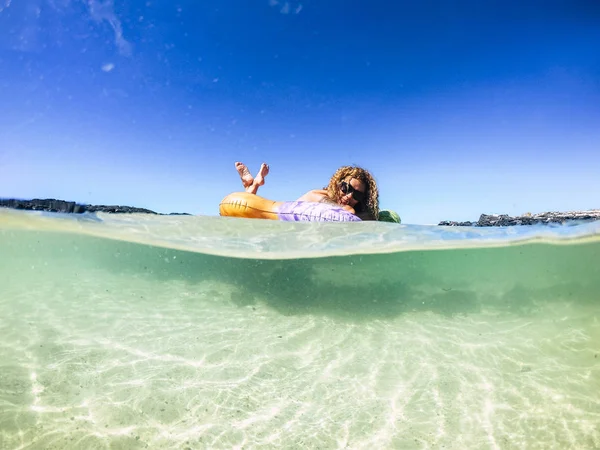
114	209
449	223
504	220
36	204
61	206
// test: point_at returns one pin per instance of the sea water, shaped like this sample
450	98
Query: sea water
135	331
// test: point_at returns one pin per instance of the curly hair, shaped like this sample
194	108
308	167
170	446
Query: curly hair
371	203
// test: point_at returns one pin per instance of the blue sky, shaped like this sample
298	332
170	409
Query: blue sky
457	108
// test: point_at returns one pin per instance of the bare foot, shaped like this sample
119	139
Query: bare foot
262	173
259	180
245	174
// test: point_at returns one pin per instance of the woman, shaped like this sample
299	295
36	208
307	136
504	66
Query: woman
352	187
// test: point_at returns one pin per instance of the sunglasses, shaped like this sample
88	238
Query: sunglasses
347	188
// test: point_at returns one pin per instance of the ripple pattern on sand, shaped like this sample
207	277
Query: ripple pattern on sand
109	361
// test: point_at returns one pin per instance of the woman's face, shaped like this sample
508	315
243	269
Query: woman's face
352	189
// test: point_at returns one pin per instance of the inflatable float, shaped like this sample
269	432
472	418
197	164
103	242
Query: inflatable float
252	206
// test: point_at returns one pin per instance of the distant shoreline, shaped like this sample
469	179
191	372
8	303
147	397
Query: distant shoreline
63	206
485	220
504	220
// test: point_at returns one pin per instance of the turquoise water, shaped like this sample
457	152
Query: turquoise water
205	332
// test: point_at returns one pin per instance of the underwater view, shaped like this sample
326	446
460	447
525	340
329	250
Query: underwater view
204	332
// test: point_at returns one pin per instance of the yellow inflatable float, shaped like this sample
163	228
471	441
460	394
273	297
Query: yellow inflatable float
252	206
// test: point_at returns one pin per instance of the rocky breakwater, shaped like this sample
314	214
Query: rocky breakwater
504	220
62	206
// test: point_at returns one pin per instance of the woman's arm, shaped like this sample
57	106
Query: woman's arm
317	195
321	196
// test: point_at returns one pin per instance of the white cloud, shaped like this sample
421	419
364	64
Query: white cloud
103	11
286	7
4	5
27	34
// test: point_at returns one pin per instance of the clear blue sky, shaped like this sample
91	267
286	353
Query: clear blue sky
457	108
